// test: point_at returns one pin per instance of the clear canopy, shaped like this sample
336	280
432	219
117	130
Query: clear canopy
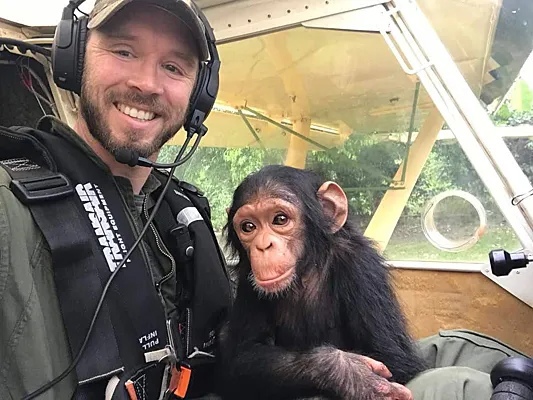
338	101
330	93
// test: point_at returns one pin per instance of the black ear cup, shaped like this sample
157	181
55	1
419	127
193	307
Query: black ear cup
198	111
206	90
198	86
68	50
80	51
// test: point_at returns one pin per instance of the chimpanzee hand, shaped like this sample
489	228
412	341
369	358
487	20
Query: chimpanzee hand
377	367
366	379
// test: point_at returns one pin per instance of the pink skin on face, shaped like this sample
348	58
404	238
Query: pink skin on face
142	58
268	230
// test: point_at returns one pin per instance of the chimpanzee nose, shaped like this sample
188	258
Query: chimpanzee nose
263	241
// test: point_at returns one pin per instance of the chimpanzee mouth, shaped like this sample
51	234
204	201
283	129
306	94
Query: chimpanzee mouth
275	286
283	276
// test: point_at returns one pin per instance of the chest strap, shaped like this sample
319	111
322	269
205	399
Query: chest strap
87	231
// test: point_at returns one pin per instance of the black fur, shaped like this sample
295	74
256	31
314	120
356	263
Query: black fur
286	347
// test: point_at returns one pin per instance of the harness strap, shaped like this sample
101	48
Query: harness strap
82	218
81	215
49	196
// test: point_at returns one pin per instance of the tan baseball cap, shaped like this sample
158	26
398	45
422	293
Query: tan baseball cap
183	9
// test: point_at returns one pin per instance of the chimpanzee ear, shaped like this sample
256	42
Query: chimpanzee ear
335	203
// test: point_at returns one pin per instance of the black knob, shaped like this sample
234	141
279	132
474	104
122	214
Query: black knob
510	390
501	262
512	379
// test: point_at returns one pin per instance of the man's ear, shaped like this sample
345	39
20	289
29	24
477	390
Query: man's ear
334	203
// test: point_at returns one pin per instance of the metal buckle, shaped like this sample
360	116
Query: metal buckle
33	190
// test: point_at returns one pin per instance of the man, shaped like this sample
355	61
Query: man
142	61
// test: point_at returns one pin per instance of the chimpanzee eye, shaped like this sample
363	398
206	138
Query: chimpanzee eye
247	226
280	219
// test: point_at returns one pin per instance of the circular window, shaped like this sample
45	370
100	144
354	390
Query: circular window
431	227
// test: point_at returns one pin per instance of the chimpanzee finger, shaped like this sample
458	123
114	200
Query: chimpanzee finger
400	392
386	390
377	367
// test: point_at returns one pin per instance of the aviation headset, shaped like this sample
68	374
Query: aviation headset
68	55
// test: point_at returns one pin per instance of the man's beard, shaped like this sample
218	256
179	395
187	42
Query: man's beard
93	113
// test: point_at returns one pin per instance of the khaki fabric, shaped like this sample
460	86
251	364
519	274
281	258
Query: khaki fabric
460	363
465	348
451	383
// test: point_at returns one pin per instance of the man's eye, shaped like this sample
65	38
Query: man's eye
280	219
247	227
123	53
172	68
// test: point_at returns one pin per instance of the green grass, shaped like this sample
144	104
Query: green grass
416	247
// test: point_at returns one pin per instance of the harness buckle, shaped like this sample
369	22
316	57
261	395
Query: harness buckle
32	190
180	379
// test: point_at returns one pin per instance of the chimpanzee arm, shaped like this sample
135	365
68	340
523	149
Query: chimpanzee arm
252	367
374	317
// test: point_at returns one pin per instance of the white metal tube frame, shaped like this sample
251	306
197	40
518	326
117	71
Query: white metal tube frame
470	124
238	20
462	111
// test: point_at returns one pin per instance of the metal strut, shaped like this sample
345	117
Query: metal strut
419	51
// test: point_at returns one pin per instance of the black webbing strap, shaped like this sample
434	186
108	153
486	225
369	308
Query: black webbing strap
84	219
49	196
205	293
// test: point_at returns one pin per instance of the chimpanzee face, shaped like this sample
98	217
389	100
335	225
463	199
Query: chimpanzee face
270	230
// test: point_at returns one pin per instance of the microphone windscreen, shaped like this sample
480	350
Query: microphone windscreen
125	156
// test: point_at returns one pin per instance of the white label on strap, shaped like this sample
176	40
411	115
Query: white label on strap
188	216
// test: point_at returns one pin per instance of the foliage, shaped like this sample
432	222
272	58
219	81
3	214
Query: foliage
506	116
218	171
365	165
415	247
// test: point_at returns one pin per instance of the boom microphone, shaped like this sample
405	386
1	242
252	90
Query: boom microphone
128	157
131	158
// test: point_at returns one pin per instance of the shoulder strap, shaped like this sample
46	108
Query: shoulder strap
49	196
45	189
78	267
201	203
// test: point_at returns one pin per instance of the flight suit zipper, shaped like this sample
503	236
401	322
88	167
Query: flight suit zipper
136	229
162	248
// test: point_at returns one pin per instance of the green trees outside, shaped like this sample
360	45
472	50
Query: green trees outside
365	166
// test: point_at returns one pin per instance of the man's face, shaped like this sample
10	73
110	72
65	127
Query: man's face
140	70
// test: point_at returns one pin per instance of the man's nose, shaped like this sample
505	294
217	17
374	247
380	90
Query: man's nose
146	77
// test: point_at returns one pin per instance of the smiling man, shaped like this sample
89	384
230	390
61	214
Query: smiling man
156	334
139	74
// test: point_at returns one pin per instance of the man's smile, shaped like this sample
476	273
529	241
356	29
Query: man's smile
139	114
